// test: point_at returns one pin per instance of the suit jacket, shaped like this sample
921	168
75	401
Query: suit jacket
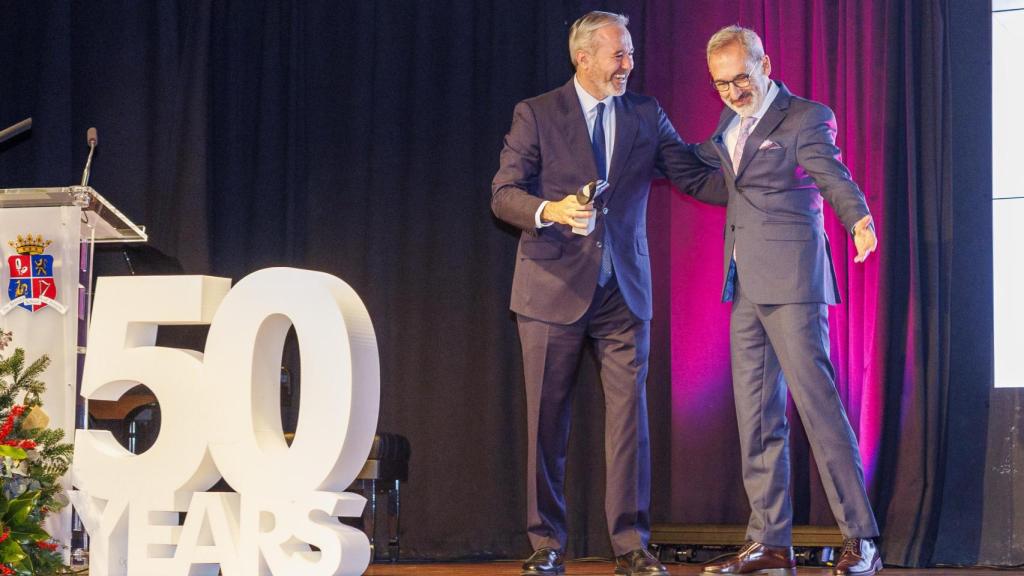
774	217
546	156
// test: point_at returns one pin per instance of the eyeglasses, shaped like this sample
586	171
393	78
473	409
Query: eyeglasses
741	81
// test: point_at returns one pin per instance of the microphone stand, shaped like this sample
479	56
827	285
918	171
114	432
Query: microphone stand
12	131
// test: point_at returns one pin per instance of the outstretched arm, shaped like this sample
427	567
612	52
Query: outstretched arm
693	169
818	154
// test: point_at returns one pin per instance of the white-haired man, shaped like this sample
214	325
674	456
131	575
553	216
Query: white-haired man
779	158
571	290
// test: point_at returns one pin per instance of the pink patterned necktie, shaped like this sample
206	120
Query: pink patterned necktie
741	140
737	153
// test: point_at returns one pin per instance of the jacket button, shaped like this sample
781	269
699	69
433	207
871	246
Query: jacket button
732	228
604	210
599	244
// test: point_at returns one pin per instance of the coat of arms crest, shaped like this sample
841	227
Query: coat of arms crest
32	285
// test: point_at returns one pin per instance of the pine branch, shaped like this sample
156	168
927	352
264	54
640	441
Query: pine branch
14	364
29	380
7	397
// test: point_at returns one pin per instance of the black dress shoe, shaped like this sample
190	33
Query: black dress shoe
543	562
639	562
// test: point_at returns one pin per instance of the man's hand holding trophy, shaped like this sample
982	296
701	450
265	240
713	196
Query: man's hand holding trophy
585	196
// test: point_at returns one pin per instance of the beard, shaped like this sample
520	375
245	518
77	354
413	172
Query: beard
617	86
747	103
609	85
613	87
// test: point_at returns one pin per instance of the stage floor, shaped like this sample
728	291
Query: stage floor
606	568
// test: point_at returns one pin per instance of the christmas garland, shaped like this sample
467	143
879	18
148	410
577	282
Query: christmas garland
33	458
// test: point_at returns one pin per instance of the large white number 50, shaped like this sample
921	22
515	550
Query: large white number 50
221	413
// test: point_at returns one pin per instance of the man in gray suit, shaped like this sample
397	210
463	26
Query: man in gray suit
570	289
780	161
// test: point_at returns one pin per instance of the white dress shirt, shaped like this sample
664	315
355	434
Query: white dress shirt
589	106
732	132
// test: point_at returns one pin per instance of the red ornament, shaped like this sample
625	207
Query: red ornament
48	546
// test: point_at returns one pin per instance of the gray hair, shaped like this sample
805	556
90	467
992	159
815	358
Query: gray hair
736	34
581	35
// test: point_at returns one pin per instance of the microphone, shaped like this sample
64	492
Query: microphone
12	131
91	139
590	190
586	195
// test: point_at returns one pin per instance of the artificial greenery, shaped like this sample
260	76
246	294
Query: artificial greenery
33	458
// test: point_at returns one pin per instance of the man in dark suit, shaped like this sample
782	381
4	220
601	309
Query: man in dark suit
571	289
780	161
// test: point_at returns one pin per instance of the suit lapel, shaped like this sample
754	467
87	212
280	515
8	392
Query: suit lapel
718	138
625	133
575	129
774	116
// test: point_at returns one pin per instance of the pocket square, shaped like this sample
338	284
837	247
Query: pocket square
769	145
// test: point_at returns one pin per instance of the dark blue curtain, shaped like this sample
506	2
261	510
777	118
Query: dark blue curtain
359	138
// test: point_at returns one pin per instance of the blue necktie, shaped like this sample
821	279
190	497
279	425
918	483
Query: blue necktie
597	144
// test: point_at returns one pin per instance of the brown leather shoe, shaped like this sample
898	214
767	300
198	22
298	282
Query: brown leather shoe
639	562
756	558
859	557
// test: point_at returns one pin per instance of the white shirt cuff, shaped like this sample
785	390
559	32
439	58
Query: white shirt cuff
536	217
